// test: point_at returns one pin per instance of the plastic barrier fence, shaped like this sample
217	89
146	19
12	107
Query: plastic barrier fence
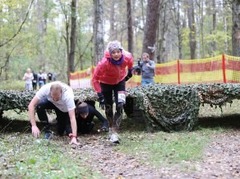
218	69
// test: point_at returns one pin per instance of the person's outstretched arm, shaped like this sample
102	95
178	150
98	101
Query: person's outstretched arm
31	114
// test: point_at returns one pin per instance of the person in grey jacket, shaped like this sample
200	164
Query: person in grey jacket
147	69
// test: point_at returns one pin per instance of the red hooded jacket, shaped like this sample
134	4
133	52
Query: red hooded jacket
111	74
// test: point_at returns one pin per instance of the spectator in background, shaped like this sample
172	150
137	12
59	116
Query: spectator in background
50	76
28	77
40	79
109	79
35	80
147	69
44	77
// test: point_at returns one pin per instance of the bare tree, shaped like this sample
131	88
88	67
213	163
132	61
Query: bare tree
113	34
130	26
41	28
236	28
73	36
20	27
192	27
151	27
98	30
161	33
214	16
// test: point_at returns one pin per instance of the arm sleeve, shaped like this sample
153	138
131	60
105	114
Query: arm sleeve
95	80
152	65
98	115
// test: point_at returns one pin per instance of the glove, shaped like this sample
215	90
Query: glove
129	75
105	126
139	63
101	101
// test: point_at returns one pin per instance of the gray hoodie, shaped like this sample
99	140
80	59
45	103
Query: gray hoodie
148	71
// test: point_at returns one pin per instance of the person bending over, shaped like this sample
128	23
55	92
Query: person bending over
109	79
59	97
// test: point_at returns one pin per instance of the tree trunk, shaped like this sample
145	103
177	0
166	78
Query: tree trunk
236	28
130	25
98	30
151	26
192	27
113	34
72	37
161	50
42	28
214	16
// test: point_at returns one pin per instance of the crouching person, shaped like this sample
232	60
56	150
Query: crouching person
84	114
59	97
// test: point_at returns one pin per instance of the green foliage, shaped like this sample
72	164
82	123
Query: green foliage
185	42
12	85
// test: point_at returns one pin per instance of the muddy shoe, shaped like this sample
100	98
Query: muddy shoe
114	138
48	135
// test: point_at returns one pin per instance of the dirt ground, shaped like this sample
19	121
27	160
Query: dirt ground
221	160
221	157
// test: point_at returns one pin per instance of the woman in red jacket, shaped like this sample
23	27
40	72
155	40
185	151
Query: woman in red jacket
109	79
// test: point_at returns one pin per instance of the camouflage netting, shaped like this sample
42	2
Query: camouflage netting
218	94
15	100
163	107
167	107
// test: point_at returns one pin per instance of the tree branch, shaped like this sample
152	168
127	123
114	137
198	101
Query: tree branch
20	27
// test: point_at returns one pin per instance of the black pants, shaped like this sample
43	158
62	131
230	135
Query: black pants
108	91
34	85
63	119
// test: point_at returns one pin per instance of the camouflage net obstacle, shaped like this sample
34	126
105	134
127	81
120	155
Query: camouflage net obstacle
167	107
163	107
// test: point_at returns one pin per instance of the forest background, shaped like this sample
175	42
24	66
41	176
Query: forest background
63	36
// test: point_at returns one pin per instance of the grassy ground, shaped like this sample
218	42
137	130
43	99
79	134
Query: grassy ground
12	85
22	156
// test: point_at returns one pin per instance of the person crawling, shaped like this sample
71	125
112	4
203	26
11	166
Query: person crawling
85	112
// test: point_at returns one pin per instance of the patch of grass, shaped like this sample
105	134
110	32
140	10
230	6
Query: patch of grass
11	114
31	158
162	148
12	85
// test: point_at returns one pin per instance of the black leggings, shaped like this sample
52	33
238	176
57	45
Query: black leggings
108	91
63	119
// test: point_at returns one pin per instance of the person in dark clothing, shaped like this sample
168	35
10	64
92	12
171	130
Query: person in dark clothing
35	80
84	116
50	77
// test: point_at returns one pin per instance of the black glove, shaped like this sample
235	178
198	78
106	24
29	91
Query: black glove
105	126
101	100
129	75
139	63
